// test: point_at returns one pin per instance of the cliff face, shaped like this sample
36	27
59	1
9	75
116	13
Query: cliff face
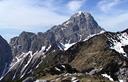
5	56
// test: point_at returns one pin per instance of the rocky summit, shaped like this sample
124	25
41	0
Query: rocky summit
78	50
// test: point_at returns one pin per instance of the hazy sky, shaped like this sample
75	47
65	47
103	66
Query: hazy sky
40	15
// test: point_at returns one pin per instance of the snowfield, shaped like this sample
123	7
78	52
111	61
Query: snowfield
117	45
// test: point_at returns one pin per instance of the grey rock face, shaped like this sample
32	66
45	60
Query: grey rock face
77	28
5	55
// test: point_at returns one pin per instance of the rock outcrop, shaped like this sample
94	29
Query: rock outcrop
5	56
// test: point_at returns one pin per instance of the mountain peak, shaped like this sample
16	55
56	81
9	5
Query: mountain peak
81	13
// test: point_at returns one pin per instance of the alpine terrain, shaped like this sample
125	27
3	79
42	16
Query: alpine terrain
78	50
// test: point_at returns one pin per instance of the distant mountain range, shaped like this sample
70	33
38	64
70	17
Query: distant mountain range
77	50
77	28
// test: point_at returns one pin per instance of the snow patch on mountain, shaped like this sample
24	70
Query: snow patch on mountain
43	48
63	66
121	81
60	46
92	35
68	45
118	44
107	76
4	71
74	79
31	56
48	48
57	69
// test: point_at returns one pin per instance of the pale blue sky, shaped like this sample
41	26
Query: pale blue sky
40	15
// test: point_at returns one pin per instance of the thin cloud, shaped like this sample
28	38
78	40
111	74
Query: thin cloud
22	13
75	5
112	18
107	5
114	22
